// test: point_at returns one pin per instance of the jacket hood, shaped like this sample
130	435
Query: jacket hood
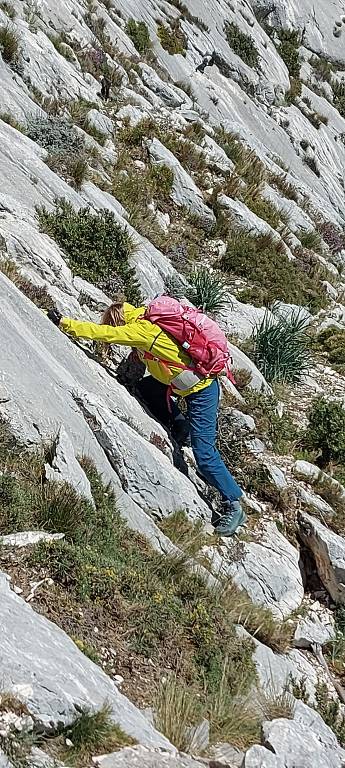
132	313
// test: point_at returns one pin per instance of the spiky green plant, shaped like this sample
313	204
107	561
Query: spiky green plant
208	291
282	346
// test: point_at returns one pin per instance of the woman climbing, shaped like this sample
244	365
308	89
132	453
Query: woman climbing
174	373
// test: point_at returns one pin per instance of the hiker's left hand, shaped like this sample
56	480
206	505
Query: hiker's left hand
54	316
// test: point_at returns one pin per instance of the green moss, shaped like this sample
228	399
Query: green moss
242	44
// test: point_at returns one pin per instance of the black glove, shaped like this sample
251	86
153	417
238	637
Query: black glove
54	316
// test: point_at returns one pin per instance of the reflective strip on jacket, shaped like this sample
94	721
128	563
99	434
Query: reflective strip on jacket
145	337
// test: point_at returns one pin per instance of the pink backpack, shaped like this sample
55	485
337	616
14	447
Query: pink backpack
199	336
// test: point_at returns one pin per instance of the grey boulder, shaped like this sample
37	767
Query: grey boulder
305	741
140	757
55	678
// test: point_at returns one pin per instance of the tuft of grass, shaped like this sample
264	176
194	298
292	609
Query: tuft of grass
10	703
187	535
92	732
243	45
139	34
310	240
208	291
288	190
7	8
9	45
6	117
264	209
282	346
177	708
275	704
339	97
172	37
331	712
323	69
38	295
96	247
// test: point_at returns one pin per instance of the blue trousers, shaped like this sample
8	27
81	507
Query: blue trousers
202	410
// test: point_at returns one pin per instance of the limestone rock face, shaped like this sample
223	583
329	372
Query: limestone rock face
66	469
268	570
305	740
329	552
59	679
184	191
140	757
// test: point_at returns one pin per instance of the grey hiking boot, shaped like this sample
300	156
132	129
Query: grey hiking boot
232	518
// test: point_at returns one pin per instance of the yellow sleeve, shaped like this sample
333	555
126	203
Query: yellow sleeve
131	335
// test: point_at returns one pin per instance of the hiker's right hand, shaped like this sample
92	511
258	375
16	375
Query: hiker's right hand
54	316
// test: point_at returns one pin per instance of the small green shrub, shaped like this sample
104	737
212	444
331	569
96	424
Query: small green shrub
56	134
323	69
6	117
326	431
331	712
8	9
139	34
62	47
332	341
265	210
263	261
242	44
339	97
172	37
95	245
290	42
9	45
279	432
282	346
208	291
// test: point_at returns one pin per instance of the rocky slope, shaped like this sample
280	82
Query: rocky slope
220	146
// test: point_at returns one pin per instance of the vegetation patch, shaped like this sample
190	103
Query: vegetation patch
91	733
264	262
68	154
6	117
332	342
323	69
139	34
10	48
96	246
325	433
339	97
37	294
282	346
172	37
290	41
8	8
243	45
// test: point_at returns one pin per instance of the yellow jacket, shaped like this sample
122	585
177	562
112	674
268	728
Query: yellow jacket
145	337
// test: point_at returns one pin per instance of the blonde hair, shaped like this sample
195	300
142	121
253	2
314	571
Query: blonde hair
114	315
